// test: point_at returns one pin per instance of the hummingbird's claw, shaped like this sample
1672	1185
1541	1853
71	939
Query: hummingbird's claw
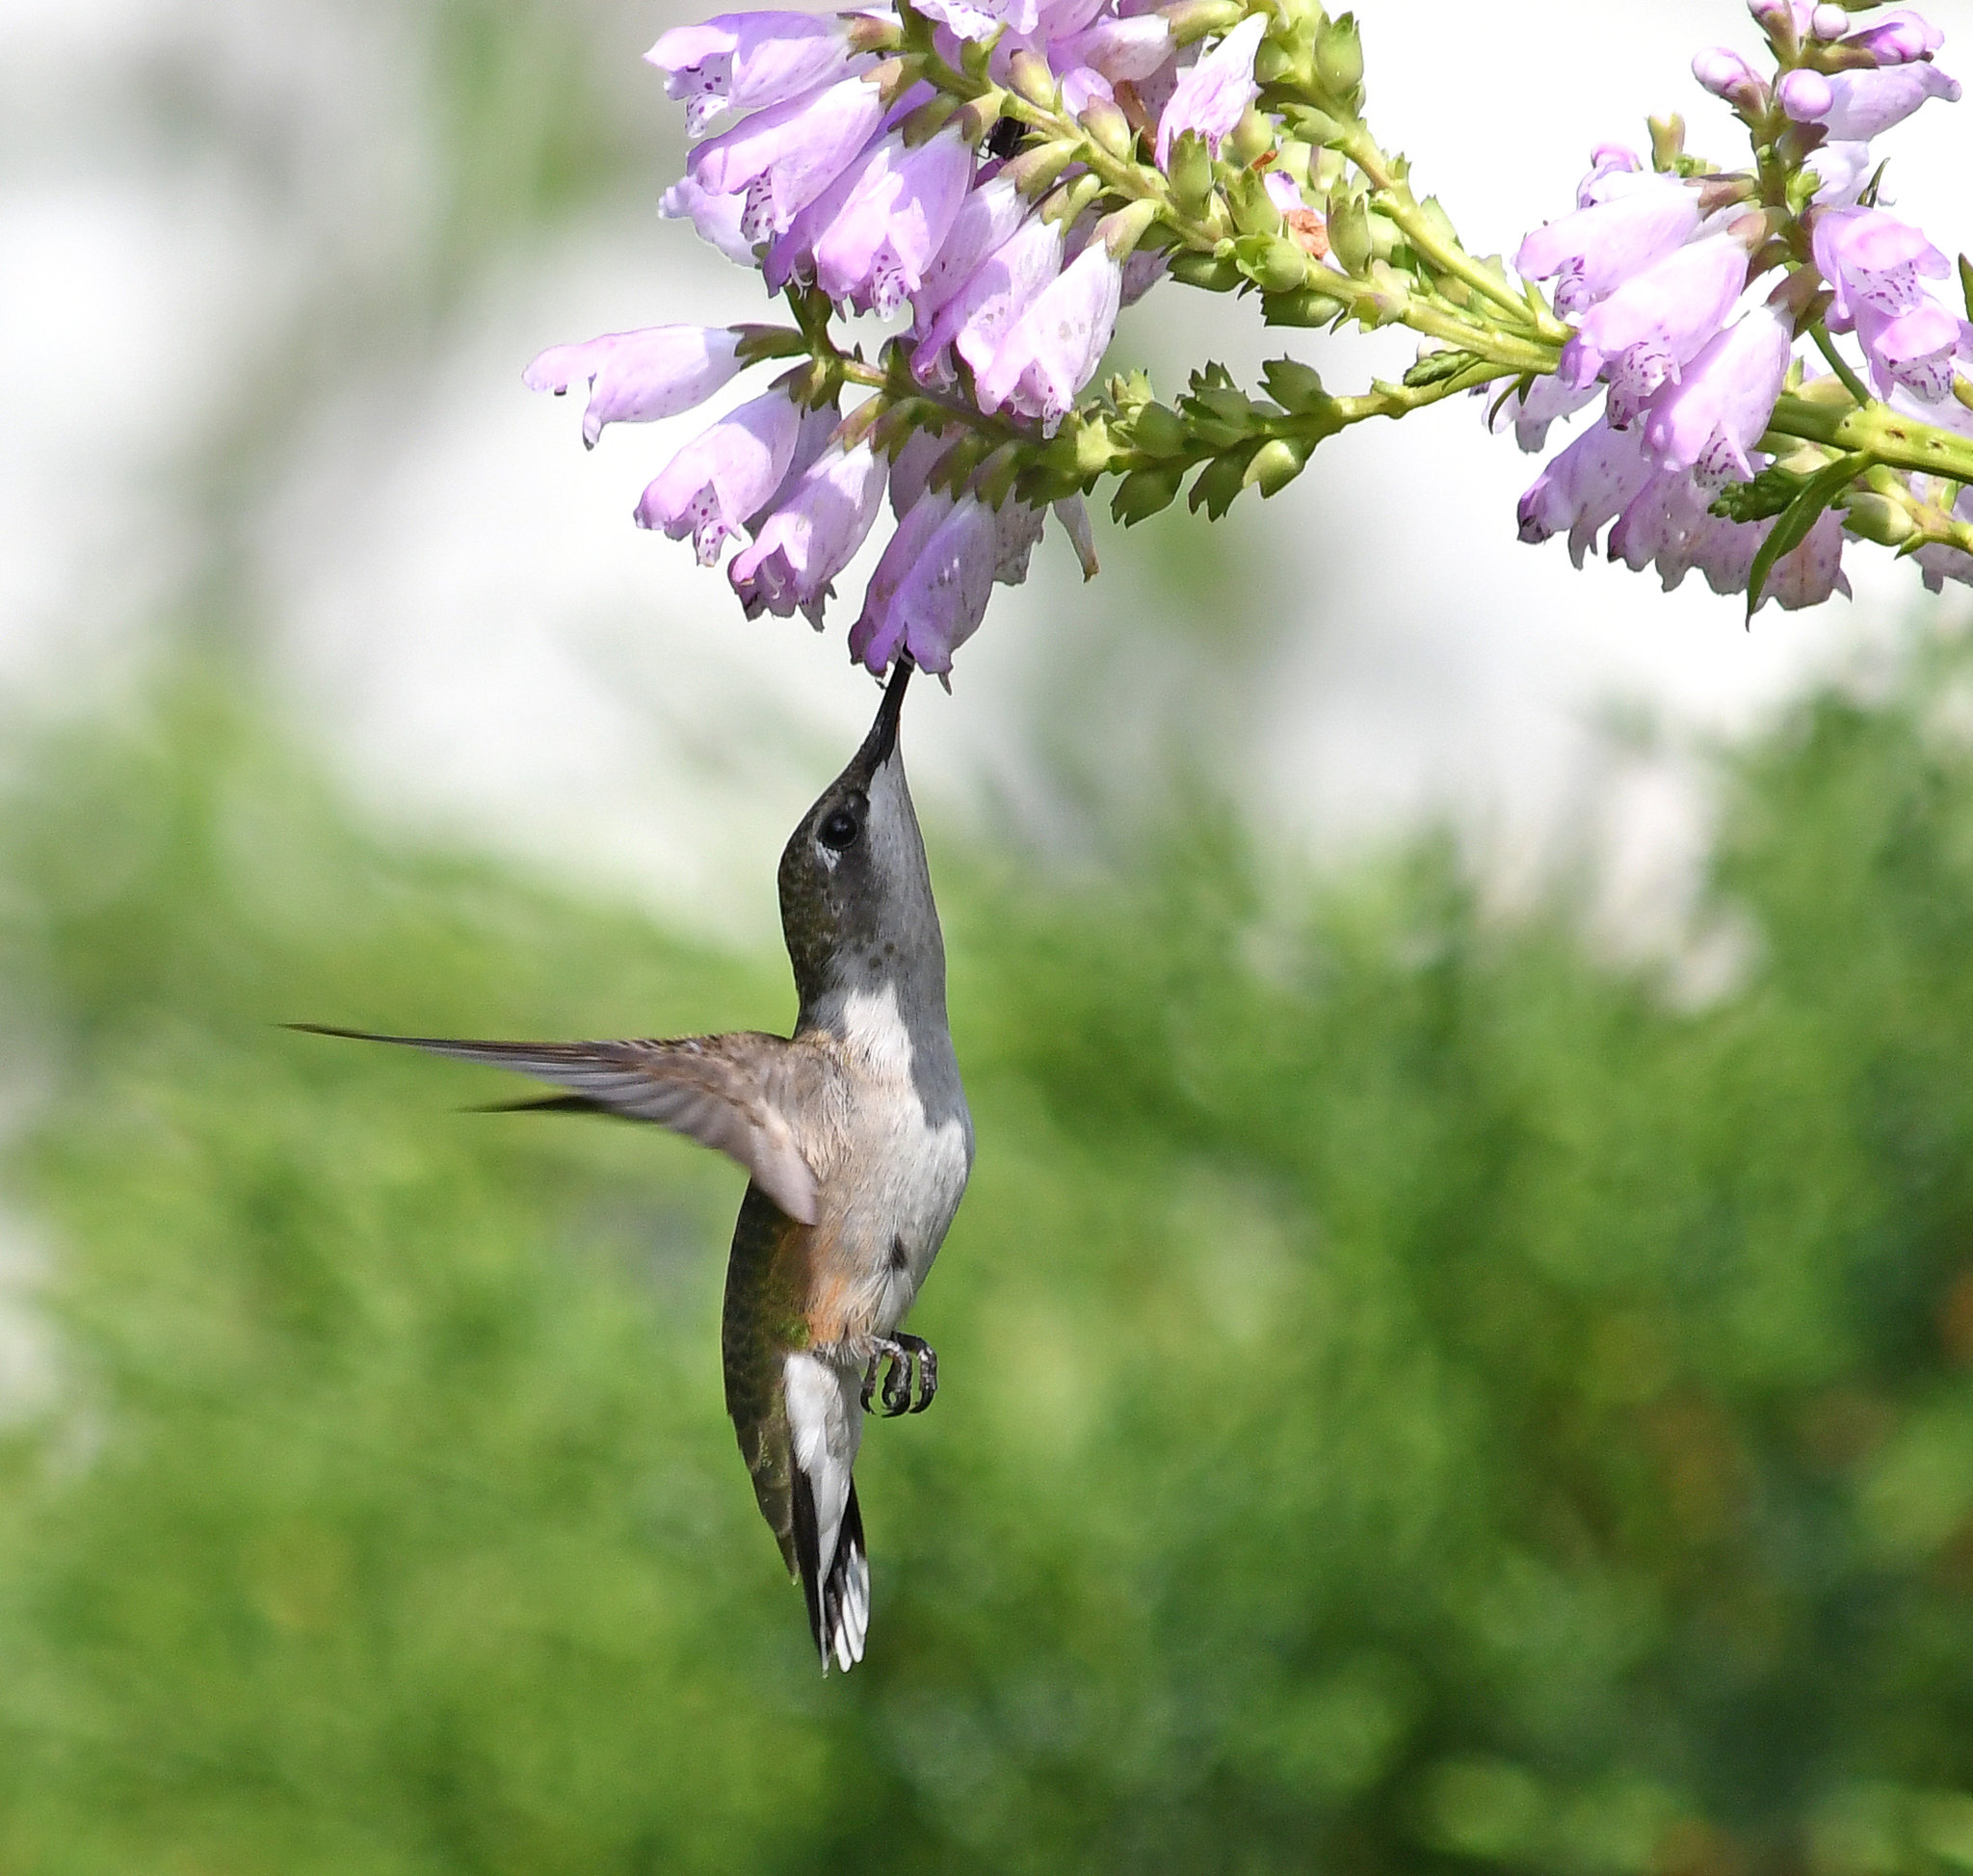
901	1352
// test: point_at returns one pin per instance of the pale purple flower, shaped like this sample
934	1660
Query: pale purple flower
878	634
724	475
986	218
978	318
806	543
787	155
1728	76
638	377
716	218
1143	269
1606	161
1284	191
1870	258
1855	106
1125	51
817	432
1667	523
981	20
911	469
875	250
1719	407
1584	486
1656	321
1841	169
942	596
1083	86
1591	251
1940	563
1913	349
1827	22
743	62
1016	527
1053	348
1898	37
1212	96
1532	411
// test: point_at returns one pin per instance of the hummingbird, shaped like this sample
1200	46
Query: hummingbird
857	1145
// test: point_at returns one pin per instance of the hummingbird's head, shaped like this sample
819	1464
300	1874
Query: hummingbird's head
855	893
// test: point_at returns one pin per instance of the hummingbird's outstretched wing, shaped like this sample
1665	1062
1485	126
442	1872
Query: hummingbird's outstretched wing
717	1089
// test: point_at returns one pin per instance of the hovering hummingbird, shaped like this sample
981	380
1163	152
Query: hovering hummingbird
857	1139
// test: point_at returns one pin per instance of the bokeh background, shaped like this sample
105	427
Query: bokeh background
1460	1350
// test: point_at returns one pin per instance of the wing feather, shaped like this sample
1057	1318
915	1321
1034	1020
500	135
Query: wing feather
725	1091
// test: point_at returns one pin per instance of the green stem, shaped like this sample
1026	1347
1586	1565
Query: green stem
1840	364
1884	435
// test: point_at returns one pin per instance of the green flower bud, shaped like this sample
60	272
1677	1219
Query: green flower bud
1275	465
1071	198
1123	230
1252	208
1142	492
1158	431
1191	172
1194	19
1877	518
1253	136
1339	56
1110	128
869	34
1281	268
1034	171
1350	238
1213	272
1094	447
1294	385
1307	307
928	119
1031	76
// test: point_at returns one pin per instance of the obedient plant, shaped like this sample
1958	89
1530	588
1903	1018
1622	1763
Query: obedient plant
1754	356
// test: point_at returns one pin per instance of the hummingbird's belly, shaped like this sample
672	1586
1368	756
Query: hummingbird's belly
883	1221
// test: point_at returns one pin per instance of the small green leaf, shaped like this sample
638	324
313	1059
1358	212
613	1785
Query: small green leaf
1207	271
1221	481
1790	528
1142	492
1435	367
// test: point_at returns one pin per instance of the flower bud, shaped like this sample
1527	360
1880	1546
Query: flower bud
1158	431
1275	465
1306	309
1281	268
1031	76
1110	128
1034	171
1294	385
1209	270
872	33
1828	23
1339	56
1350	238
1071	200
1728	76
1194	19
928	119
1123	230
1805	95
1253	136
1877	518
1191	172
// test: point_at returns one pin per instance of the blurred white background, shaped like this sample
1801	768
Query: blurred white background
269	273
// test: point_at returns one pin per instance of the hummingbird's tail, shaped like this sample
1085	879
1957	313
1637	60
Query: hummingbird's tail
826	1425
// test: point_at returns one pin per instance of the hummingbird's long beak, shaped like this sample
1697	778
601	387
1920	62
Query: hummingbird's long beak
882	740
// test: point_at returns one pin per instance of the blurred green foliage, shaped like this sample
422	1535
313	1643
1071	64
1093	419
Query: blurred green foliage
1415	1399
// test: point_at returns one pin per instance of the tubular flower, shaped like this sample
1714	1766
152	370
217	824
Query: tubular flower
1913	349
724	475
886	233
1855	106
638	377
787	155
1870	258
1655	322
1719	407
1591	252
1212	95
1052	350
810	539
1587	484
977	318
743	62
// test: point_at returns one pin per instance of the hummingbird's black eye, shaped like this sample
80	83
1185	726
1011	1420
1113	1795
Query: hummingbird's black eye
840	827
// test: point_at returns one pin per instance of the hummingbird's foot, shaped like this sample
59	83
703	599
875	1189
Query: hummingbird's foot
901	1351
